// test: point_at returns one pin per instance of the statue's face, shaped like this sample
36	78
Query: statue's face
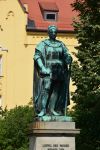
52	33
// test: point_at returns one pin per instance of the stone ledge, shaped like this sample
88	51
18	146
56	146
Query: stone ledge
52	125
53	128
55	131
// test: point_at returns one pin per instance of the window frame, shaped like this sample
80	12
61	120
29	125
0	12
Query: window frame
50	12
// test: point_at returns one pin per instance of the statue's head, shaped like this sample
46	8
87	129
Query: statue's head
52	32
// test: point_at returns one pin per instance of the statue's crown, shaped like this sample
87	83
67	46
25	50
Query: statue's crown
52	27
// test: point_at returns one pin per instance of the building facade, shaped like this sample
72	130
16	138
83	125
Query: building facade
23	24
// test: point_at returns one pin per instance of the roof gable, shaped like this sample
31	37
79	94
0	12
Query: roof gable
48	6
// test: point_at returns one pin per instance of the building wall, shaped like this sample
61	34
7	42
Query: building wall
16	81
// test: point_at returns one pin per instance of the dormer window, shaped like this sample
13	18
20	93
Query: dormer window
50	16
49	11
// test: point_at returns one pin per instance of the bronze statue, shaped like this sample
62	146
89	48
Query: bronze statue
52	63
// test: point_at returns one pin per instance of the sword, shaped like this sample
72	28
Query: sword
67	92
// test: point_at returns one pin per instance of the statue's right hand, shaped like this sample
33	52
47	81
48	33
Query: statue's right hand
44	72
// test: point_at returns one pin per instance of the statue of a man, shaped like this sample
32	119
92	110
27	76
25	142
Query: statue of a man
51	75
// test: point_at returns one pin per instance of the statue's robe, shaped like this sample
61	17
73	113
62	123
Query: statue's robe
38	87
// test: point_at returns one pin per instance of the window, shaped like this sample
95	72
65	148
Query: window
0	101
0	65
50	16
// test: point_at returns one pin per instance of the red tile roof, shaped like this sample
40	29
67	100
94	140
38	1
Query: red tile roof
35	17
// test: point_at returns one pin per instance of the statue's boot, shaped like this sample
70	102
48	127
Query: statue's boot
55	113
42	113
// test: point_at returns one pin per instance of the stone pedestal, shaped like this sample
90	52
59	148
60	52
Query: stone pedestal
52	136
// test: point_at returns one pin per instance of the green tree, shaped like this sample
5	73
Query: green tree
86	73
13	128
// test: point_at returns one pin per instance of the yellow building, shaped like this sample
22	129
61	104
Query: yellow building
17	45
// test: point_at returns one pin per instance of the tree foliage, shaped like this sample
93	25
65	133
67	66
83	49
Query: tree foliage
86	73
13	128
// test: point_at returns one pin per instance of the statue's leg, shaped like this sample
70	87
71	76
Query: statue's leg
44	103
53	99
45	97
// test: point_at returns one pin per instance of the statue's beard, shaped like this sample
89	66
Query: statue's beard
53	37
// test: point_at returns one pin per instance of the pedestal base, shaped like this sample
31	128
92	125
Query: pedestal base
54	118
52	136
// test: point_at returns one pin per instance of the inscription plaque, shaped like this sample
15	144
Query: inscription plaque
55	147
55	143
